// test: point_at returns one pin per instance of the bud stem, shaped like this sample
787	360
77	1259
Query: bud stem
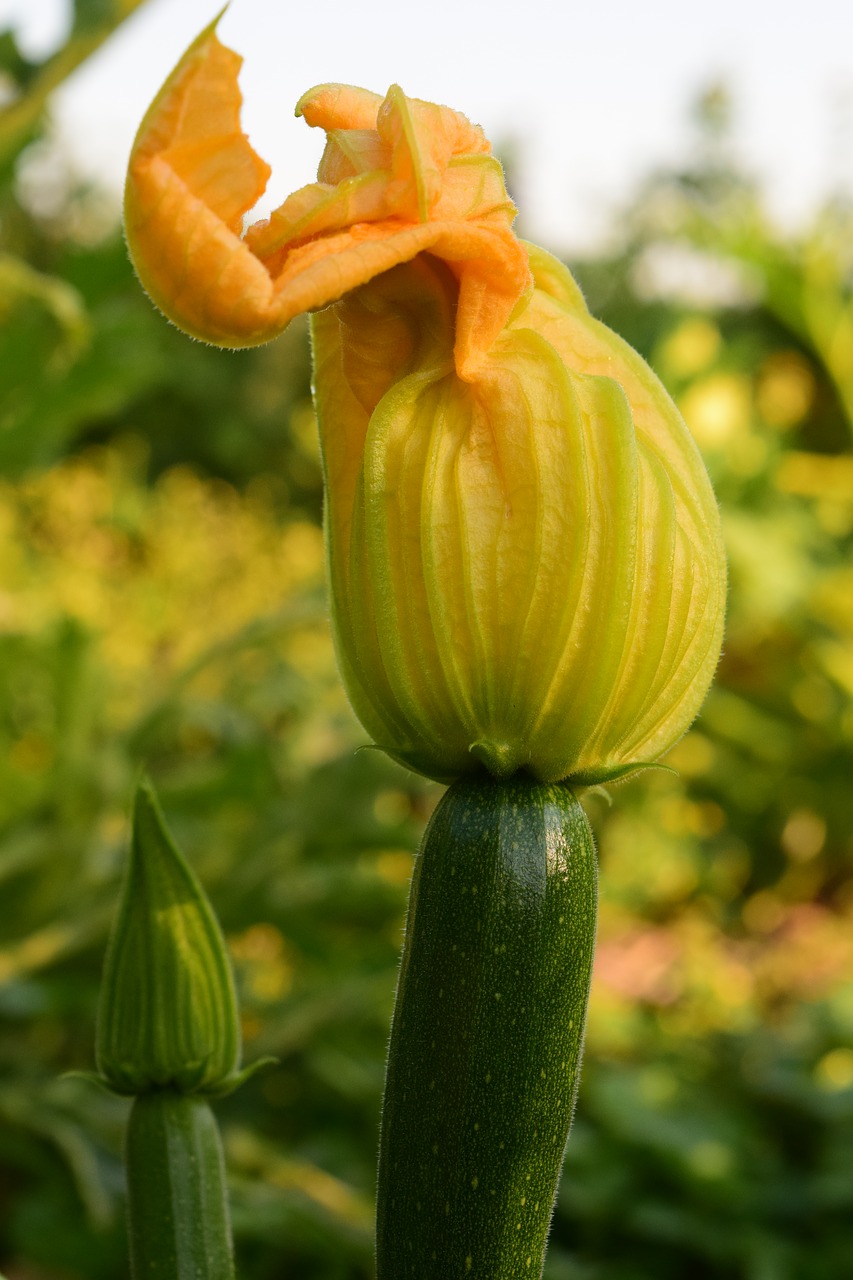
178	1217
486	1041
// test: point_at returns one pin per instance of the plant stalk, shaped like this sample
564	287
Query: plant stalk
487	1035
178	1219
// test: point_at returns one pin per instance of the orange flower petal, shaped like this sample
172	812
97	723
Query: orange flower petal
399	177
339	106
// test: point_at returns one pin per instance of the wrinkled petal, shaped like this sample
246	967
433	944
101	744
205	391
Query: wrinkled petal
525	553
399	177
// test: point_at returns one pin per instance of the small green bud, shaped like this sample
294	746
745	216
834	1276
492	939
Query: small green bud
168	1011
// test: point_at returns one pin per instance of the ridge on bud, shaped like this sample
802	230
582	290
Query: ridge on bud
167	1015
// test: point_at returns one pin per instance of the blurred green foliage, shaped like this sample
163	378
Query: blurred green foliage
161	603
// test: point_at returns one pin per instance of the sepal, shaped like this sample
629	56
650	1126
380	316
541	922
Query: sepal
606	774
236	1081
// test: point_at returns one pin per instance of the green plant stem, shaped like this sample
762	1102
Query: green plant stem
487	1034
178	1216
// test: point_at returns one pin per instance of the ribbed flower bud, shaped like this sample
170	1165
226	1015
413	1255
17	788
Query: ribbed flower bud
526	567
526	560
168	1012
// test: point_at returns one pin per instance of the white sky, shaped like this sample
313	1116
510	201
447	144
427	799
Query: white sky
591	94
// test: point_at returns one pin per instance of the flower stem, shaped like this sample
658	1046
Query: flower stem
169	1035
487	1034
178	1217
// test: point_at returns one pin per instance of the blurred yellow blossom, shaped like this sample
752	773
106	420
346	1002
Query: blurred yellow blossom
717	408
690	348
156	576
786	389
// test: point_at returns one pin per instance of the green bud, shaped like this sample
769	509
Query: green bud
168	1011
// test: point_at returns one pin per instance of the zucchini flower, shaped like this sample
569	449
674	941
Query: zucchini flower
525	553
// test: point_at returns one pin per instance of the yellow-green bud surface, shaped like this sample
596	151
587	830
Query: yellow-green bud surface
527	566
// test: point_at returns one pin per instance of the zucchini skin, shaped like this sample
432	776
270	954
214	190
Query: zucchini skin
487	1035
178	1220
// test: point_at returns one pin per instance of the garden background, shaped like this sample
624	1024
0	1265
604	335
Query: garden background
162	604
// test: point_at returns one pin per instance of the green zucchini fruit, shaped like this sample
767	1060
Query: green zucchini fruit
487	1035
178	1219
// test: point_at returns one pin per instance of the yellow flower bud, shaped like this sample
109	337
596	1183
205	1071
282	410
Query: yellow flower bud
527	568
525	553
